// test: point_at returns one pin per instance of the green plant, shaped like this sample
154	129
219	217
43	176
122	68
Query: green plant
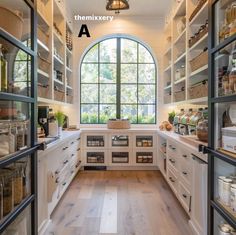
60	117
171	116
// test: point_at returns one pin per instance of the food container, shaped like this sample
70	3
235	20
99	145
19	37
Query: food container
202	130
183	129
228	139
118	124
226	193
233	197
220	186
6	178
224	230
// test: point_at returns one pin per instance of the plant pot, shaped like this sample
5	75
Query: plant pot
60	131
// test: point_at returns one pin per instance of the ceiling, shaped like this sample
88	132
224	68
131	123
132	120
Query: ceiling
146	8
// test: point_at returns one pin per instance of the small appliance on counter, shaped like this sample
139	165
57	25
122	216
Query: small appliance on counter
43	118
228	139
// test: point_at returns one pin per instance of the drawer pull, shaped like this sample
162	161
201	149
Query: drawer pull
185	196
172	161
78	139
57	180
173	148
185	156
78	149
72	172
72	155
171	179
64	184
65	162
65	148
72	142
184	173
57	172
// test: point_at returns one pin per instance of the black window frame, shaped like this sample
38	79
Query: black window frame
118	83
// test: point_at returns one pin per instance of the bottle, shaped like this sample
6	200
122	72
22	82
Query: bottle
12	140
20	138
3	71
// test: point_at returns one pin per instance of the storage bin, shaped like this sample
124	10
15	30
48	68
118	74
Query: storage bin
197	9
69	99
43	37
118	124
59	95
197	37
43	91
198	90
179	96
43	64
199	61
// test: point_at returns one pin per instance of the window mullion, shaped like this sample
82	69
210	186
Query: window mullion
118	81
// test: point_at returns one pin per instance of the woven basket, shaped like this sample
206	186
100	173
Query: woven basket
199	61
44	38
179	96
43	64
199	36
43	91
167	99
118	124
199	90
197	9
69	99
59	95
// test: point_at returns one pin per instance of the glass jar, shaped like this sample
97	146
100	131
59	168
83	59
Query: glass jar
220	186
202	130
6	177
1	199
226	193
233	197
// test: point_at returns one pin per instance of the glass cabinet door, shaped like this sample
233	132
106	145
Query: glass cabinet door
225	20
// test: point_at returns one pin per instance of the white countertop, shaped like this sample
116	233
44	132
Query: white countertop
105	129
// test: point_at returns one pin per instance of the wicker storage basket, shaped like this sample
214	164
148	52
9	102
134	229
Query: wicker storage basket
59	95
198	37
179	96
199	61
118	124
44	38
167	99
43	91
199	90
43	64
69	99
197	9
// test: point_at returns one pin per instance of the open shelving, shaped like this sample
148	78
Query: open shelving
178	54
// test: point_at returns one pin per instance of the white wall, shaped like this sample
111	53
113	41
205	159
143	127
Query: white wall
147	30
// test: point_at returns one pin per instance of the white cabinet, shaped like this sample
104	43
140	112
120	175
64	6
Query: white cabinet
199	202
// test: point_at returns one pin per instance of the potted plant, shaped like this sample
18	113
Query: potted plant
60	117
171	117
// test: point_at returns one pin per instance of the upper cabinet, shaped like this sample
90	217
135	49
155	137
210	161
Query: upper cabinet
185	71
55	57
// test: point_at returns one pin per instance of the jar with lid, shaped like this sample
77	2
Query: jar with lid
25	178
6	177
226	193
233	197
220	186
197	117
202	130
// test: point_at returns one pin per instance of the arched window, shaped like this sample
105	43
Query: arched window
118	80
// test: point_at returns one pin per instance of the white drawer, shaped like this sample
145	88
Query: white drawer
185	197
172	147
172	180
173	160
185	171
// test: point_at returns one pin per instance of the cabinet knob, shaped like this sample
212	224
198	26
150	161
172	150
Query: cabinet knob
185	196
64	184
78	149
184	173
72	155
78	138
72	142
171	179
65	148
65	162
185	156
172	161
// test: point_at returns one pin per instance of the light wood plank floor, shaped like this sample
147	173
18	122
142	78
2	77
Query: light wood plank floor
119	202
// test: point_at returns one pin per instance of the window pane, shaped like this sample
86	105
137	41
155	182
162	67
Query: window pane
146	94
130	112
146	114
108	50
89	93
128	94
89	73
147	73
107	94
89	113
92	55
108	73
144	55
129	73
128	51
107	112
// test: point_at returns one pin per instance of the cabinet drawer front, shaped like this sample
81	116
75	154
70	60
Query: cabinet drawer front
186	173
173	161
172	147
185	197
185	156
173	180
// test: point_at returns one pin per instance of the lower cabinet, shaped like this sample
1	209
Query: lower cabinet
57	166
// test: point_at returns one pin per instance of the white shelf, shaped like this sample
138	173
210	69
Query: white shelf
57	10
199	71
69	69
181	9
68	51
179	59
58	60
42	46
168	87
58	81
201	16
58	38
202	100
168	68
180	80
69	87
201	44
49	101
43	74
181	37
42	21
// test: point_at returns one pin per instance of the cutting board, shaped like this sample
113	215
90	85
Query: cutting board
192	140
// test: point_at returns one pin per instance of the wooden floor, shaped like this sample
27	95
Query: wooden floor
119	202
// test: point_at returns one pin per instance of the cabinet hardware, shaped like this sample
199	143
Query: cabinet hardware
57	180
184	195
172	161
65	148
78	139
72	142
185	156
57	172
171	179
64	184
65	162
184	173
72	172
190	203
78	149
200	161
